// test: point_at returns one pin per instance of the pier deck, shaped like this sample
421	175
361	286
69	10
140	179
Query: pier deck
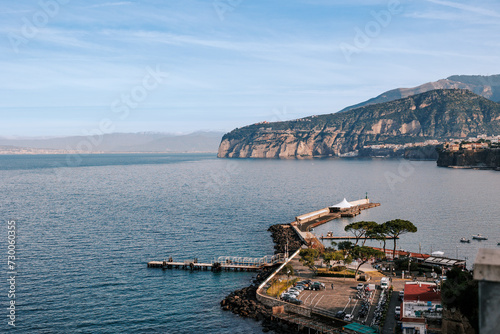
201	266
350	237
222	263
304	223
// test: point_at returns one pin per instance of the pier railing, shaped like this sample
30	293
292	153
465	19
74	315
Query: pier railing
249	261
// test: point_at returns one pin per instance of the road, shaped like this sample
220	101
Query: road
390	322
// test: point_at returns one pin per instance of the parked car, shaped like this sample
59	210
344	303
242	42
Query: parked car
398	312
360	286
317	286
401	294
340	315
295	301
348	317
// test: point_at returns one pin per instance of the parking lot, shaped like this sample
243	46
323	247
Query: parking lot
343	297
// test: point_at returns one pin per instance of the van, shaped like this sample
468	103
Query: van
385	283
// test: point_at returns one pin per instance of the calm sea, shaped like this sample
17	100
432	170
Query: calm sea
87	226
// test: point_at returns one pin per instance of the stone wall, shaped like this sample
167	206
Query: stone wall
271	302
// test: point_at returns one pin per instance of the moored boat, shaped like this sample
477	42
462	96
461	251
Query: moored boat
479	237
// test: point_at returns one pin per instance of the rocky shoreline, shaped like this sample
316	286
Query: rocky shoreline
243	302
474	159
281	234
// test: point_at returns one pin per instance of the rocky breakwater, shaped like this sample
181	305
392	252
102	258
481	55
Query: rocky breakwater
244	301
284	235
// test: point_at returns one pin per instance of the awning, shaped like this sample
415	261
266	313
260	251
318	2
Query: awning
443	261
343	205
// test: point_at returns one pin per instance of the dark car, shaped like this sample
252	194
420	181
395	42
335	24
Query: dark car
317	286
340	315
295	301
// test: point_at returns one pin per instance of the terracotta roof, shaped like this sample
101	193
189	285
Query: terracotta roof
422	292
403	253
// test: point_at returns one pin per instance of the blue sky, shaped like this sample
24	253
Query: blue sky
68	67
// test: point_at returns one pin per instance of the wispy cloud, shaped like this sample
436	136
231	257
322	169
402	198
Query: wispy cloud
468	8
263	55
108	4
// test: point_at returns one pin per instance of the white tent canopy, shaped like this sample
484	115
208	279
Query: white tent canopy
437	253
343	205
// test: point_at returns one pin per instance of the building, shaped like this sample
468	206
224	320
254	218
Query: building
487	273
421	310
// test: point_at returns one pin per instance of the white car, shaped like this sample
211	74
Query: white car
398	311
360	286
348	317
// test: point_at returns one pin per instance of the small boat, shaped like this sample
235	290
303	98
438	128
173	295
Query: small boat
464	240
479	237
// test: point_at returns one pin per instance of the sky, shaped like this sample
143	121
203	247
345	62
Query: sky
91	67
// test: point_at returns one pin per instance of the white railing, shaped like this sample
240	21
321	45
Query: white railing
250	261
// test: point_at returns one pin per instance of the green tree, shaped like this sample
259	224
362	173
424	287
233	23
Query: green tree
364	253
329	256
396	227
380	232
460	290
308	256
360	229
345	249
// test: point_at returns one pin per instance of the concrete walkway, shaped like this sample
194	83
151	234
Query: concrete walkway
366	267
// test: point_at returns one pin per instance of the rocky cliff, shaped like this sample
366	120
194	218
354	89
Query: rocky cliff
485	158
437	114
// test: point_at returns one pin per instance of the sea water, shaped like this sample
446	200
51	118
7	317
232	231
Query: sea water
88	224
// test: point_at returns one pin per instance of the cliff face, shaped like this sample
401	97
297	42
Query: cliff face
432	115
486	158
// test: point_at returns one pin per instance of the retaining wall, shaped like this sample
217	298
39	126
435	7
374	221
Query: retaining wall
270	301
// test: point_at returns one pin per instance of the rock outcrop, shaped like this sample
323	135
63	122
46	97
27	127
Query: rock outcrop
244	301
284	235
438	114
483	159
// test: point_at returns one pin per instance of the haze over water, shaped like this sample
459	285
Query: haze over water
87	231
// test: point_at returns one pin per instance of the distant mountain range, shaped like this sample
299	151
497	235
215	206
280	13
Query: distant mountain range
119	142
485	86
436	114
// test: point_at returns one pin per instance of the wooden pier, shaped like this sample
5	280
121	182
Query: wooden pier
223	263
201	266
350	237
